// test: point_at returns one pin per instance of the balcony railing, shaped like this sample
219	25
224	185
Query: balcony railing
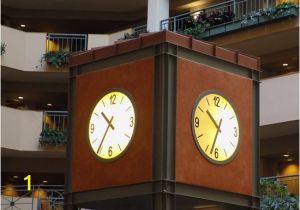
66	42
46	197
55	120
235	8
290	181
54	128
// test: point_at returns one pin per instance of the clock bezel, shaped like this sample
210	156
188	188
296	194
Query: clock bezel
127	93
202	95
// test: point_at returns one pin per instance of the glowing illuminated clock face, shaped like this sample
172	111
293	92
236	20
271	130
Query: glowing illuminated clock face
215	127
111	125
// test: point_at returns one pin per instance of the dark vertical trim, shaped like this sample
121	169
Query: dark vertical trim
69	152
164	126
255	138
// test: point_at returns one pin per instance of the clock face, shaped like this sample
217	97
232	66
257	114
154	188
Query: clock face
111	125
215	127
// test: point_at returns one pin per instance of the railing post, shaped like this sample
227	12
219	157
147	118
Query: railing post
174	24
234	6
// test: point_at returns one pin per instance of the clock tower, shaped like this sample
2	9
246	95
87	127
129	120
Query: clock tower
163	122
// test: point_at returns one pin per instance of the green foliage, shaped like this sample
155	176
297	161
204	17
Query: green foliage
53	137
196	25
129	36
280	10
56	58
197	29
275	196
3	48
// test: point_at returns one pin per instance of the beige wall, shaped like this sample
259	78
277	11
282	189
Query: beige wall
97	40
23	50
20	129
279	99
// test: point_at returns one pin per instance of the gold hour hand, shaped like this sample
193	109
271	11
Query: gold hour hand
213	120
102	140
215	139
108	121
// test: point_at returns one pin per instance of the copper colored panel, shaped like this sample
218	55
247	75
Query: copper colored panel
80	58
249	61
203	47
191	167
166	36
135	166
104	52
226	54
128	45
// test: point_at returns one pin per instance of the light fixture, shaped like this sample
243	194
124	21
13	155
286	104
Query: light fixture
45	181
15	177
286	155
20	97
23	25
49	104
285	64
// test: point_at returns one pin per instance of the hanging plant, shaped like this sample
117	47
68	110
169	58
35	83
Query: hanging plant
3	48
56	58
53	137
280	10
276	196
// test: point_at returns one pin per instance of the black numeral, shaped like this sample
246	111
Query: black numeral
216	153
217	101
131	122
92	128
112	99
235	132
197	122
110	151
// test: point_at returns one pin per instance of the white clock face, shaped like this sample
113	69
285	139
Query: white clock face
215	127
111	125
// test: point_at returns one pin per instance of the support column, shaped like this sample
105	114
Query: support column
157	11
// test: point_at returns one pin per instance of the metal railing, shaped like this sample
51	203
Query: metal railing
238	7
140	29
290	181
55	120
40	197
66	42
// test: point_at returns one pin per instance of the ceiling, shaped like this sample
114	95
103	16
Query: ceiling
88	16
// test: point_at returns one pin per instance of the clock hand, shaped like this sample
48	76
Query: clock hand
107	120
213	120
215	139
102	140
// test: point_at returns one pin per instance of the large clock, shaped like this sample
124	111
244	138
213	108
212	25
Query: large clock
215	127
111	125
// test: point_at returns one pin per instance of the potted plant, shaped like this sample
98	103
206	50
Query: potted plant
275	195
56	58
53	137
3	48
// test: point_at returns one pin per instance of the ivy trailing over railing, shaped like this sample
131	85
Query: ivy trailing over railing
3	48
56	58
280	10
53	137
276	196
196	25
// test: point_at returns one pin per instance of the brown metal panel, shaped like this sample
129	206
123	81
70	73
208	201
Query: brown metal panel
135	166
191	167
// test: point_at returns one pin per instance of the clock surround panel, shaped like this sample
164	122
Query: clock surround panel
193	79
136	78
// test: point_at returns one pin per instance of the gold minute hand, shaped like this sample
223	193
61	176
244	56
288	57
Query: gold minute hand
109	124
213	120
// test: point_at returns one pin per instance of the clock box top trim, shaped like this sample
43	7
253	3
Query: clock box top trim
151	39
